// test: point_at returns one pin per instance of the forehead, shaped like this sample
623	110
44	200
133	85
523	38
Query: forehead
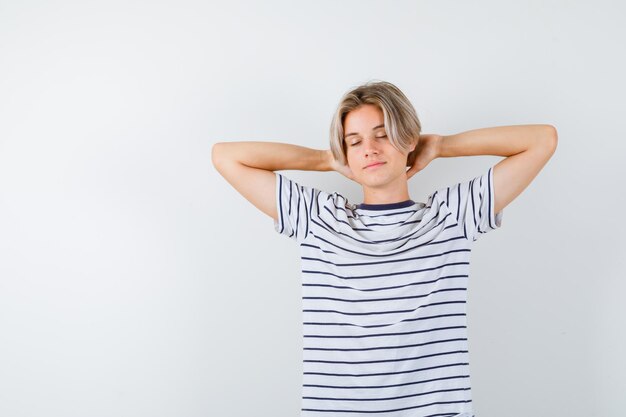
363	120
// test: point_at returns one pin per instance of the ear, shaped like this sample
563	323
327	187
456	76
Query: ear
410	160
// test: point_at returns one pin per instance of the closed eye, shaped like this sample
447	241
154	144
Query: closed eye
378	137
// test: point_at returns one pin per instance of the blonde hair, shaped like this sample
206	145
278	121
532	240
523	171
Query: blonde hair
401	122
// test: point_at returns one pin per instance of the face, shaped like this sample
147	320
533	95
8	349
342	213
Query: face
370	144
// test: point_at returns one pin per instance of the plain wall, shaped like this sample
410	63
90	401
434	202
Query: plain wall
135	281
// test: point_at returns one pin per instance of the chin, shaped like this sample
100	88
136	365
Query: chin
375	182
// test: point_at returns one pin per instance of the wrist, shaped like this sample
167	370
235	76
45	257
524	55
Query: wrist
326	158
441	145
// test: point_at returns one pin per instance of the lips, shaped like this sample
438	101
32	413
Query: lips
375	164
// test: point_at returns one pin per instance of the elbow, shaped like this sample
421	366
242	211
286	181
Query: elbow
215	150
552	138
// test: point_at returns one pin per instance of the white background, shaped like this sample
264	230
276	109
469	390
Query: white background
135	281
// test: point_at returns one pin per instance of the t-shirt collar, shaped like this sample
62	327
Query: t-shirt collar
386	206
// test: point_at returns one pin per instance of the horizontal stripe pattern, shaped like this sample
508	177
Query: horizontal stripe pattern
384	292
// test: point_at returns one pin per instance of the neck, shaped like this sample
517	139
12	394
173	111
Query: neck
396	192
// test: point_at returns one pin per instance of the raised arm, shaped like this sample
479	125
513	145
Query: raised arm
249	167
527	148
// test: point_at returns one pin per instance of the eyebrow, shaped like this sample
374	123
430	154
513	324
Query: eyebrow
374	128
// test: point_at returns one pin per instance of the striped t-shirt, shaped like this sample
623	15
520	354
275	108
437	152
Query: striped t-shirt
384	292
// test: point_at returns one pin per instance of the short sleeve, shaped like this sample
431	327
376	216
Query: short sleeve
294	205
472	204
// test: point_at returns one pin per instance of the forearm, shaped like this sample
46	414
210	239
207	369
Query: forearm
271	156
499	140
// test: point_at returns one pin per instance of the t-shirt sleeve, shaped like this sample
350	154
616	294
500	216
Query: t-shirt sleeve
472	204
294	205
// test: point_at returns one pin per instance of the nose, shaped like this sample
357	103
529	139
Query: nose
371	147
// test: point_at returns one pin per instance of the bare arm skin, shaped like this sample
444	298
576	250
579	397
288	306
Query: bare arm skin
248	167
527	149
